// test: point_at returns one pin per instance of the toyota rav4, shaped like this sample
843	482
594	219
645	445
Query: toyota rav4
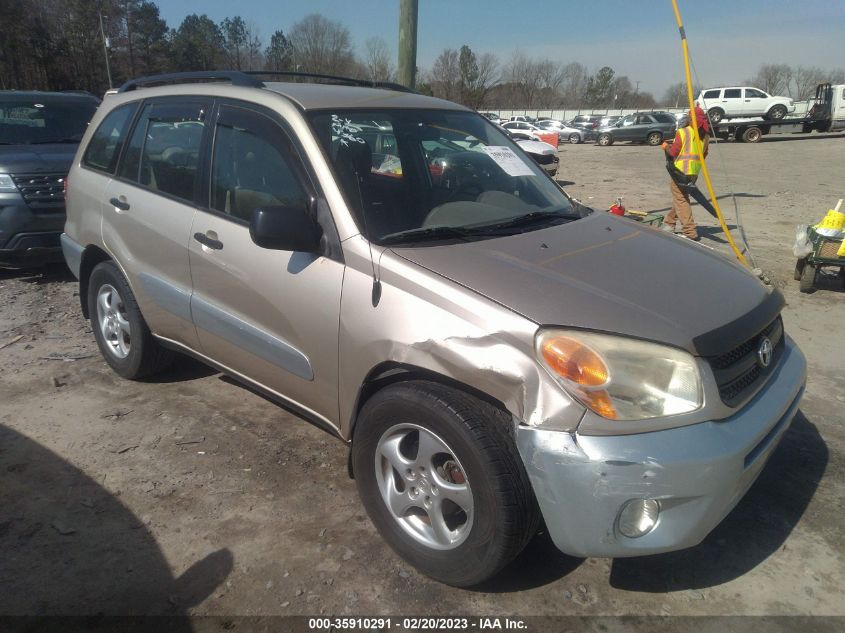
396	270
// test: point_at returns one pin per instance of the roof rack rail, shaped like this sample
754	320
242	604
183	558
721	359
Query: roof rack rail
364	83
236	78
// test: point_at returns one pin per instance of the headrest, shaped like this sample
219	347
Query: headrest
355	156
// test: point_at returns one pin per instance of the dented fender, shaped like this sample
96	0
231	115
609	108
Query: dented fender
439	326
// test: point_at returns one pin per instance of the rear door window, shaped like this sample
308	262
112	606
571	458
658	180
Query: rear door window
163	153
733	93
105	144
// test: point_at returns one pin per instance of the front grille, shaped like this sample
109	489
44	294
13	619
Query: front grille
42	191
544	159
738	372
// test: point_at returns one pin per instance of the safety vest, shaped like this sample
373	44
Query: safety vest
687	161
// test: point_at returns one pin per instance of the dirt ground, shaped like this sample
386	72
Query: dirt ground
191	494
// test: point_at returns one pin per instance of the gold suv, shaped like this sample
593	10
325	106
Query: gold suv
397	270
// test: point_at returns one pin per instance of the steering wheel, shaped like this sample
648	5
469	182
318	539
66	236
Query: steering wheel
465	181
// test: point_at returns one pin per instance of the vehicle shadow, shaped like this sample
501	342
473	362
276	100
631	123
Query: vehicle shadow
539	564
41	275
183	369
828	280
799	137
70	547
753	531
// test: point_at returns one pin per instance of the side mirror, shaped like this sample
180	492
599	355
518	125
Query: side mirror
285	228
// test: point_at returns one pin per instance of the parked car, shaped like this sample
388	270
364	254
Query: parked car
566	133
743	101
39	134
492	116
544	155
606	121
523	130
524	118
491	352
586	121
640	127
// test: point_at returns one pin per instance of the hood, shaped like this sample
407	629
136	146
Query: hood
33	159
536	147
603	273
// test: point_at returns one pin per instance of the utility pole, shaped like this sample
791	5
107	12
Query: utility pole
408	11
105	50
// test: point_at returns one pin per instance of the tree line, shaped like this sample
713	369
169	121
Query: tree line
58	45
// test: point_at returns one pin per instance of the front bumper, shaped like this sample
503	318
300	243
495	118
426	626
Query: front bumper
698	473
27	237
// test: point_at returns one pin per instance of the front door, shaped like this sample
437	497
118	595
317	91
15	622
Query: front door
150	211
271	316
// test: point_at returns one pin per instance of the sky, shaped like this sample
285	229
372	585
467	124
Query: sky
728	39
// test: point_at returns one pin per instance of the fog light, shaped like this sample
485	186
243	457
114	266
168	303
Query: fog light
638	517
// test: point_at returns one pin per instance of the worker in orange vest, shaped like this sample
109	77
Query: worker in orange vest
683	163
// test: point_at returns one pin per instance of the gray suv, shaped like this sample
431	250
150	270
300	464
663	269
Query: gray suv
396	270
39	134
640	127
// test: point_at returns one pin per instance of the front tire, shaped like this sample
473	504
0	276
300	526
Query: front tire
438	472
716	114
776	113
119	328
605	139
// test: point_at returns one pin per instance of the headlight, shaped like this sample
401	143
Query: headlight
7	185
621	378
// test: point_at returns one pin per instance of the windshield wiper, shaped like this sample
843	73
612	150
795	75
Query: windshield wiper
426	233
535	217
58	140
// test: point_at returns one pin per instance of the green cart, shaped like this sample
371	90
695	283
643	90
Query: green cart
823	254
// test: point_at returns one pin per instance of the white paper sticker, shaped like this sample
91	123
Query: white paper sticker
512	164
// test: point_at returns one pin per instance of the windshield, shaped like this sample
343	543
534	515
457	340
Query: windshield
413	175
46	121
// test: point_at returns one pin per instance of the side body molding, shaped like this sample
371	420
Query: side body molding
250	338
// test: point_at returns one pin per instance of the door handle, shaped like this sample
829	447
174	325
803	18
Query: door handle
210	242
119	203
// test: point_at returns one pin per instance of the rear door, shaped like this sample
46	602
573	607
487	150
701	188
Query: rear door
732	102
271	316
151	204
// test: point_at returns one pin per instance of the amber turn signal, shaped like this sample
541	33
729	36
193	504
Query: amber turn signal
574	361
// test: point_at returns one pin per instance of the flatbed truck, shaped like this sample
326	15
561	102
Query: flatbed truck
826	114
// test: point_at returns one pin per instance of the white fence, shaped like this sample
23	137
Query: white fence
801	108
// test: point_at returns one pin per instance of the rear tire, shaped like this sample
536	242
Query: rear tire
808	278
119	328
604	140
413	427
654	139
776	112
716	114
751	135
574	138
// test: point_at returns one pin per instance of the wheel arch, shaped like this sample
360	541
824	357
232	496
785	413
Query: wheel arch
391	372
91	256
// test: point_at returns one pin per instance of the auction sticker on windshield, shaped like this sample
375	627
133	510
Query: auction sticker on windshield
505	158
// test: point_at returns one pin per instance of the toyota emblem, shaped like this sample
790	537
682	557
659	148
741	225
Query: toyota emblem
764	352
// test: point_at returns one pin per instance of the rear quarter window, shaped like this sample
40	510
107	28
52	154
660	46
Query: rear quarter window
664	118
106	142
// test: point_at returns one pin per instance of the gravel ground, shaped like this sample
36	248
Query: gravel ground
191	494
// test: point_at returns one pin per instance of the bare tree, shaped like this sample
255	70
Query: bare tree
321	45
445	75
574	85
377	64
772	78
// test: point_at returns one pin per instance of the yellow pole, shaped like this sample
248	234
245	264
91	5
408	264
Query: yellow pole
700	148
